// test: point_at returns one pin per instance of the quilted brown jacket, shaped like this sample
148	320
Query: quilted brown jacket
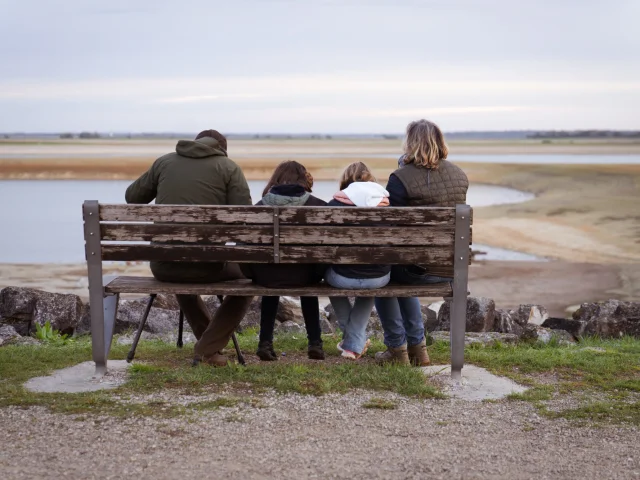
445	186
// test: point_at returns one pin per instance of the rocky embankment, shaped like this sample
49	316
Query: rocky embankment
22	308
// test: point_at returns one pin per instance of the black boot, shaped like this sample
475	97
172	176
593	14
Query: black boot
315	351
265	351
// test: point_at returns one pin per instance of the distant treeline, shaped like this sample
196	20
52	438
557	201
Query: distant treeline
469	135
586	134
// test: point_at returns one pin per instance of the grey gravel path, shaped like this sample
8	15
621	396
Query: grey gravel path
298	437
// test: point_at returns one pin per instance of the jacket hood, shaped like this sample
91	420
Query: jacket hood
364	194
201	148
286	195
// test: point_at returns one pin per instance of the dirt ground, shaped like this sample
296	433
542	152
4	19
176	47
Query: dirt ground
293	437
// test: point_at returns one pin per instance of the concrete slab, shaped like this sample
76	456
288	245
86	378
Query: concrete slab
80	378
477	383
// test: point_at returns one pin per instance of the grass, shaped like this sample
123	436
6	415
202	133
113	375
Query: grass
607	382
380	404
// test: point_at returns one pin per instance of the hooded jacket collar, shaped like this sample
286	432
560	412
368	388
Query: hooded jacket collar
201	148
291	195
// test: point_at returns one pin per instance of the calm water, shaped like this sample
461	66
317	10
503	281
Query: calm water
42	220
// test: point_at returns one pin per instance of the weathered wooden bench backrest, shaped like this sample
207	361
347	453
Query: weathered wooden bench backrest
190	233
423	235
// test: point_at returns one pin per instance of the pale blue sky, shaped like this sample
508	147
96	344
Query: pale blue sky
359	66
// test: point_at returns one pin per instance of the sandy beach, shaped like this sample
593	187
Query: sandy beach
584	218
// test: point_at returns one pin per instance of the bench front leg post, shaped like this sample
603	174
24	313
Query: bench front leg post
100	339
460	285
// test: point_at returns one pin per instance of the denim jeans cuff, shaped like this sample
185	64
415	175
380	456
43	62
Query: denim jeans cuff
416	343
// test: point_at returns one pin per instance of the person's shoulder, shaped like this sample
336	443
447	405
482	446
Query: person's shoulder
337	203
452	168
314	201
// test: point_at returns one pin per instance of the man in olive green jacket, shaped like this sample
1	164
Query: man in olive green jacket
199	173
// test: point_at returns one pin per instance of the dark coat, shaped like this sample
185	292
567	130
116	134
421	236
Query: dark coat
286	275
358	271
197	173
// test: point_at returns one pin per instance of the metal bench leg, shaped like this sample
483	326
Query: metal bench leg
460	282
236	345
179	343
132	352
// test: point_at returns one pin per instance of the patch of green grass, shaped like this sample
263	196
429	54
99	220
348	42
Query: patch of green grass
606	412
380	404
161	366
535	394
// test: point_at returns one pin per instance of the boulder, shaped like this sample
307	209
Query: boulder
574	327
534	314
289	310
7	335
325	324
480	315
481	338
610	319
430	317
168	337
505	323
24	307
536	333
160	320
289	327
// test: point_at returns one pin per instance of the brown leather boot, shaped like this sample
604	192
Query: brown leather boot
216	360
418	354
394	355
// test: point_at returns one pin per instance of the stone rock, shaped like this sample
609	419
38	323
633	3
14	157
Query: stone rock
429	317
480	315
289	327
160	320
24	307
574	327
504	323
289	311
534	314
7	335
610	319
482	338
325	324
536	333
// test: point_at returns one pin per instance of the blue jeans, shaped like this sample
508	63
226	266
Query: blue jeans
401	317
353	320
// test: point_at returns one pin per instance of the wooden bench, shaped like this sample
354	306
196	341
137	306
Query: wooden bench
393	236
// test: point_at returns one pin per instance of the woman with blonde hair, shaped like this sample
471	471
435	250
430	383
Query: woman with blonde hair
358	188
424	178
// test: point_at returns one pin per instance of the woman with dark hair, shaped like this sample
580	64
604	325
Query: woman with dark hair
358	188
290	185
424	178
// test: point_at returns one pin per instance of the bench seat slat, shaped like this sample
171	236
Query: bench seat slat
442	256
189	233
186	214
367	216
360	235
148	285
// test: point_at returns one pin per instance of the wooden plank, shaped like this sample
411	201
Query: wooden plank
186	213
188	253
188	233
367	216
435	235
442	256
148	285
